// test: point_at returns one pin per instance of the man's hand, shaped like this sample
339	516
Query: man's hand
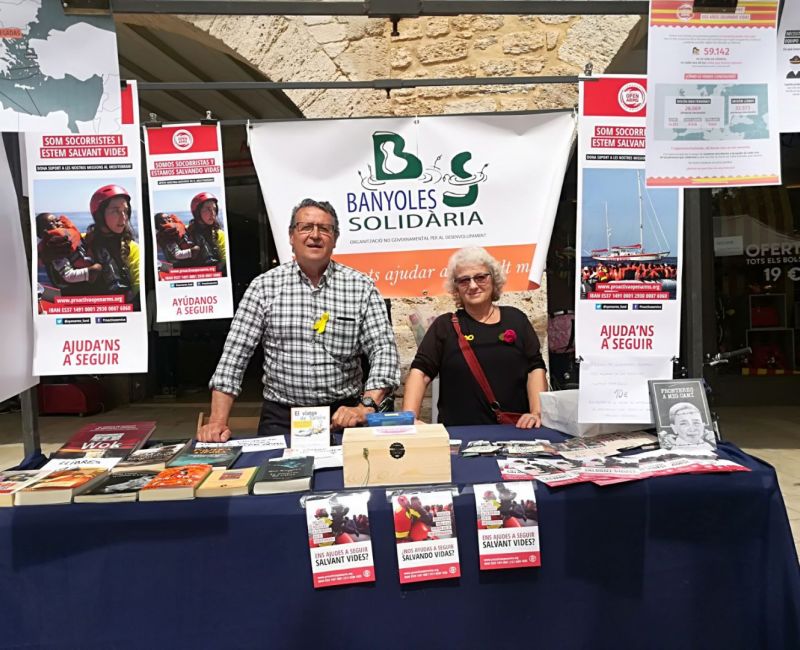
350	416
214	432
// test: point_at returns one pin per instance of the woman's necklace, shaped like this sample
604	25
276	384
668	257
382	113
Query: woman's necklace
488	316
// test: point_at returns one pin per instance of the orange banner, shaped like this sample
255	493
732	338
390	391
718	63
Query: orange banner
422	273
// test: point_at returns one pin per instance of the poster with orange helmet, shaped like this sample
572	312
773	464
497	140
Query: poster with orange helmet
339	539
189	223
508	525
87	254
425	533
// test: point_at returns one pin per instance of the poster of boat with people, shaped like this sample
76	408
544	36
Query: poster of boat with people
629	236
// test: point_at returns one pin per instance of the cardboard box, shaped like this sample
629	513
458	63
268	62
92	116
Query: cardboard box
399	455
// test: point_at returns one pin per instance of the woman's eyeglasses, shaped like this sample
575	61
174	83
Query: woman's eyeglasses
306	228
481	279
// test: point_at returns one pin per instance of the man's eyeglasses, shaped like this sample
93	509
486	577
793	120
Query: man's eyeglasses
481	279
307	227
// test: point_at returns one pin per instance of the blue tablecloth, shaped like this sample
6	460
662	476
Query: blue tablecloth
697	561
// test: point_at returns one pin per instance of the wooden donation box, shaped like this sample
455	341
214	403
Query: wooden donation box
398	455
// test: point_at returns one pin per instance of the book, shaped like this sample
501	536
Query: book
60	486
680	411
339	539
284	475
508	525
248	445
12	481
216	456
425	533
227	482
151	458
120	486
310	427
106	440
175	483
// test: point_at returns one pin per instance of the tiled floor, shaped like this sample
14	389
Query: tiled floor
770	433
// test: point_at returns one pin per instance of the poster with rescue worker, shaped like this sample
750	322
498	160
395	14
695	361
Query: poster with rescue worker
188	222
339	539
425	532
87	261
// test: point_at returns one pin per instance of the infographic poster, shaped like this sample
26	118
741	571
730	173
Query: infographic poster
789	67
712	119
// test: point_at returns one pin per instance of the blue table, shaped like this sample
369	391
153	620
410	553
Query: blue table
700	561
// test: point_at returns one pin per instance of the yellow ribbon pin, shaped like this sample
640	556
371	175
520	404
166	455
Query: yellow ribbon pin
321	323
469	337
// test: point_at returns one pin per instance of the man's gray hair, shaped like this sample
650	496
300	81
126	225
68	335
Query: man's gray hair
311	203
470	256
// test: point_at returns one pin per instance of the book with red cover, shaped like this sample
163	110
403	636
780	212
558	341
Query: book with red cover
106	440
175	483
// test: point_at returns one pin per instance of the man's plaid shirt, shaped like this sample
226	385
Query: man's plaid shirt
301	366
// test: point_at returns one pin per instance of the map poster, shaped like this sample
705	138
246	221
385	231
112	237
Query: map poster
789	67
628	284
340	539
712	119
508	525
58	73
189	222
88	256
409	192
425	534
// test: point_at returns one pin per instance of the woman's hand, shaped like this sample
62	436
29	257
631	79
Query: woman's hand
529	421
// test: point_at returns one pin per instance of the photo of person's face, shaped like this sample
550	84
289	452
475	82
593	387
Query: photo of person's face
208	212
688	426
116	214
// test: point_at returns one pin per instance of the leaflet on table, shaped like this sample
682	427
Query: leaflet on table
628	273
713	115
339	538
424	528
58	464
324	457
88	257
614	389
508	525
789	67
262	443
189	222
310	427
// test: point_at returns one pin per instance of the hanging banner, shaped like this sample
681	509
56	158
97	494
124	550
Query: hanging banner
628	285
16	322
188	220
409	192
88	258
712	120
789	67
59	73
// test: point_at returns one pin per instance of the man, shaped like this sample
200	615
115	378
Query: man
688	428
314	318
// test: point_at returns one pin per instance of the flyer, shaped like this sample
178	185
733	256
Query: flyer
88	255
628	273
713	114
424	528
310	427
789	67
508	525
189	222
339	539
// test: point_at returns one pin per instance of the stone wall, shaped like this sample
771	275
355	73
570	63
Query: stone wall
325	48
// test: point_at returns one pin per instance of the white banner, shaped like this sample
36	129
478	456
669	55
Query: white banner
411	191
628	286
188	219
88	257
16	321
59	73
712	120
789	67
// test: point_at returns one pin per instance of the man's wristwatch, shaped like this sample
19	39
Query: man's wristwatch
369	403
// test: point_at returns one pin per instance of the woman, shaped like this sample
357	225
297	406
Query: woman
501	337
206	232
110	243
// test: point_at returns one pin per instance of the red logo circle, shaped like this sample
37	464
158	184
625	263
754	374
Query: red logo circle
632	97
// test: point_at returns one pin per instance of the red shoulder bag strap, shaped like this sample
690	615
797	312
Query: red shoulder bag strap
474	365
